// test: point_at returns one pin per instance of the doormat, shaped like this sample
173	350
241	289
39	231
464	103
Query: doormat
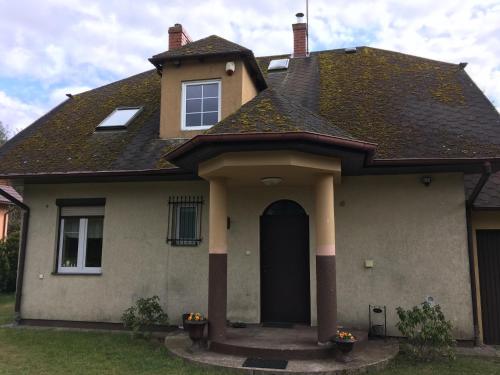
277	325
277	364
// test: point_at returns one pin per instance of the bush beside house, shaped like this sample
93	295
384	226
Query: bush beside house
9	250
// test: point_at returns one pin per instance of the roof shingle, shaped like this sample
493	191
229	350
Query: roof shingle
209	46
270	112
409	106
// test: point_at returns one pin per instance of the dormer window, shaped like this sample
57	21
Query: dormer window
200	104
119	118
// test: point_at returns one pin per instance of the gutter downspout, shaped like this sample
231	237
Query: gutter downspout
22	251
470	244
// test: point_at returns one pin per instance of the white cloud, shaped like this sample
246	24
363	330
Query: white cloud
15	114
59	94
76	44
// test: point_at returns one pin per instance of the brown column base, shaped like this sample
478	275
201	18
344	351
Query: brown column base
217	296
326	294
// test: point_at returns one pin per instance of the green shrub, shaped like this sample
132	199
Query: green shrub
9	250
144	315
428	332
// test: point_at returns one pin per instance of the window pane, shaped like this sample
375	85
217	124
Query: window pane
211	90
210	118
193	119
187	223
94	242
193	91
193	105
119	117
69	256
210	105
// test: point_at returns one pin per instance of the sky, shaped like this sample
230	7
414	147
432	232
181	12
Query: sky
53	47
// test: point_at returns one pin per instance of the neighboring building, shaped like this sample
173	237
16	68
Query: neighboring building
296	189
6	208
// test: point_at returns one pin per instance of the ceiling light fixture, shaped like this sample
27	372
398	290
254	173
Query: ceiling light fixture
271	181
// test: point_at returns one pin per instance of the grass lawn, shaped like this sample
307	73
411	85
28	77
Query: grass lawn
32	351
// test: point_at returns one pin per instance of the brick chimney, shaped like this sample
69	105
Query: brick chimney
300	48
177	36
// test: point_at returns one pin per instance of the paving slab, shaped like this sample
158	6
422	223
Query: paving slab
373	355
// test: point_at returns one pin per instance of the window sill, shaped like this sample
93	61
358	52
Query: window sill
76	273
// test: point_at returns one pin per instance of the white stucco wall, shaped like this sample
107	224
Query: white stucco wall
415	235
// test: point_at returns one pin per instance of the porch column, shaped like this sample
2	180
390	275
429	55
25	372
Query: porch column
326	292
217	263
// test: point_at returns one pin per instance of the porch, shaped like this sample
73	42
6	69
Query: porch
295	348
285	293
295	342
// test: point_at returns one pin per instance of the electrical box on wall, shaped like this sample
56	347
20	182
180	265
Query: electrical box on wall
369	263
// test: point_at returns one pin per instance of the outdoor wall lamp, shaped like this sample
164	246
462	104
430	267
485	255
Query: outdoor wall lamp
271	181
426	180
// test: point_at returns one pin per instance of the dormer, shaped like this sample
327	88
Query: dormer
203	82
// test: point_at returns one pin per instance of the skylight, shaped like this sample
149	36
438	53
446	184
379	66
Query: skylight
279	64
119	118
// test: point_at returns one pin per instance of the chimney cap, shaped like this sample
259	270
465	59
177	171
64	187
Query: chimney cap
300	17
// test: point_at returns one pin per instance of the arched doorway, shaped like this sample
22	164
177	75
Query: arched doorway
284	264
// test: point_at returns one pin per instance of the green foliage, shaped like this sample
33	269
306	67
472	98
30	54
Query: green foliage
428	332
3	134
144	315
9	251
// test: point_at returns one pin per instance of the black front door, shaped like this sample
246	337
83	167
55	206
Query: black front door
284	261
488	256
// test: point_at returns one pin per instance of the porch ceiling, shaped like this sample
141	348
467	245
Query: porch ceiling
248	168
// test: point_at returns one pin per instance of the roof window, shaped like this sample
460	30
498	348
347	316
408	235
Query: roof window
279	64
119	118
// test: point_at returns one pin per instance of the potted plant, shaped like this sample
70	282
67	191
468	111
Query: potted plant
345	342
194	324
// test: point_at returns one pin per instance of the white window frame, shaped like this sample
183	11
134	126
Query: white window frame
183	111
82	249
122	126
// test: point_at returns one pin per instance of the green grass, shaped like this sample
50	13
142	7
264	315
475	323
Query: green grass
461	366
6	308
43	352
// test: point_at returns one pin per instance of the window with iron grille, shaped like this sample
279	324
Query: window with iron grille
184	220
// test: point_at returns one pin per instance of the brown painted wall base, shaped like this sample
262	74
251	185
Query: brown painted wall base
86	325
326	297
217	296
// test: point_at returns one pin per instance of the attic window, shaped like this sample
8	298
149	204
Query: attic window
280	64
119	118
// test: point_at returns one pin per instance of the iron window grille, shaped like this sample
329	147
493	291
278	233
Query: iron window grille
184	220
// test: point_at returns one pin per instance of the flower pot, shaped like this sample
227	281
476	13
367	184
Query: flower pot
344	347
196	331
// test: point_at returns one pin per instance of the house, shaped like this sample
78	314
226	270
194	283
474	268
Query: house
297	189
6	207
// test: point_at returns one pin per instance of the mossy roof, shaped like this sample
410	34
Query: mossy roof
272	112
410	107
211	45
65	140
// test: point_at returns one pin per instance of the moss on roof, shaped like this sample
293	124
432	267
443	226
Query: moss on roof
210	45
409	106
271	112
65	139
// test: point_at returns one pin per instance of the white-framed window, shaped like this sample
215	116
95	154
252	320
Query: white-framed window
119	118
80	239
184	221
201	104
